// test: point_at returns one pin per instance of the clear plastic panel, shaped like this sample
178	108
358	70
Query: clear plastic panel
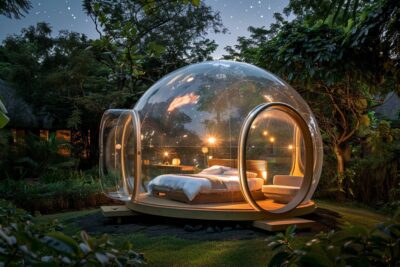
190	122
117	149
275	138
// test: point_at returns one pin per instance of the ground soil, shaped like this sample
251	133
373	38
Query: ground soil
154	226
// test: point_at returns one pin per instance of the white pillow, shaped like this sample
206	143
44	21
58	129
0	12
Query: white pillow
213	170
235	172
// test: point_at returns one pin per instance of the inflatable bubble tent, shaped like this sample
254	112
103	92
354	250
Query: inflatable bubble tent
216	140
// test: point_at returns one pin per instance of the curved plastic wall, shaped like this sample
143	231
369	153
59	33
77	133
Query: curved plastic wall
117	153
190	121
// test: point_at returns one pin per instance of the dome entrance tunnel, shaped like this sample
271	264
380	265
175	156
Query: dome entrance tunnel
216	140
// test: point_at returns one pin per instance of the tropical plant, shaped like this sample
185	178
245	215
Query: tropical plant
143	40
14	8
336	11
374	171
41	156
55	191
330	65
3	117
25	243
352	246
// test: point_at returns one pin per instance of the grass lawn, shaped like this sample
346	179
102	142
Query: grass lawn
166	250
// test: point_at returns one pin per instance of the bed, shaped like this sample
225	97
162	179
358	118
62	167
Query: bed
217	184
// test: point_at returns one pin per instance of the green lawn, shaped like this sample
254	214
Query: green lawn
173	251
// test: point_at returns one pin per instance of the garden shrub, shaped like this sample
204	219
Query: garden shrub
24	243
352	246
34	157
57	191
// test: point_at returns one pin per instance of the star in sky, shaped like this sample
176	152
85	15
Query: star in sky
236	16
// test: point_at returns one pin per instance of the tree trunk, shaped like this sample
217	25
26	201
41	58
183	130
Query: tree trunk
339	153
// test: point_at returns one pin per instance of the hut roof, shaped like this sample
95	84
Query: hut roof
391	107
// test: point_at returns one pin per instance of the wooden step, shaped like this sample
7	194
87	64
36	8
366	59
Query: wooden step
117	211
282	224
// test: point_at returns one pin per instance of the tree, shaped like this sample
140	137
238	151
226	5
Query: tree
3	115
71	80
14	8
61	79
334	11
141	41
339	68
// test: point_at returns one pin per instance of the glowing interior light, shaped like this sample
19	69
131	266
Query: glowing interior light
253	126
210	157
264	175
166	153
265	133
290	147
204	149
176	161
211	140
272	139
118	146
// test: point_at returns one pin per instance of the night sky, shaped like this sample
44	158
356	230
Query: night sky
237	16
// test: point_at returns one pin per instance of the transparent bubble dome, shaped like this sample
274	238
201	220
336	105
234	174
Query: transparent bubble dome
190	120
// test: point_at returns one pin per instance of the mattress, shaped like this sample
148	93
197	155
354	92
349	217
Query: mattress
192	186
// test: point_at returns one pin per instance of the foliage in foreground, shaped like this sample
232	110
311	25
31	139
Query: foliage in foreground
24	243
352	246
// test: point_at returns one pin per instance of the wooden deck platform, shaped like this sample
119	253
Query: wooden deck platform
117	211
239	211
282	224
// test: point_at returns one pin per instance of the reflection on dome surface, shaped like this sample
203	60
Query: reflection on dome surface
187	148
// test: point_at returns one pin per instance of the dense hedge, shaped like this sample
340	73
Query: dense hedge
56	192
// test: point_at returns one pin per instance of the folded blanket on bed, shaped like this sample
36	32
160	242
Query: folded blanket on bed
216	181
192	186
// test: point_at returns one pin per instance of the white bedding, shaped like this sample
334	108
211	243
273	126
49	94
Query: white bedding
191	186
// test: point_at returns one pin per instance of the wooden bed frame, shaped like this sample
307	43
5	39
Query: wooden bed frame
204	198
258	166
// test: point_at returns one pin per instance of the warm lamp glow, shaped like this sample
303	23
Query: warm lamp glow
211	140
272	139
290	147
204	150
166	153
265	133
176	161
264	175
210	157
253	126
